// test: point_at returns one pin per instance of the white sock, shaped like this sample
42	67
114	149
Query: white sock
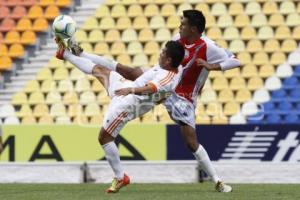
113	158
205	163
100	60
85	65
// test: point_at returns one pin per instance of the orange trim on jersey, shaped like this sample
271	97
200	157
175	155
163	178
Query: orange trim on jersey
153	87
114	122
117	123
165	78
167	81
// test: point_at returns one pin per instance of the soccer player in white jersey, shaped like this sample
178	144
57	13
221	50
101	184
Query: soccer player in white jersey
201	56
129	99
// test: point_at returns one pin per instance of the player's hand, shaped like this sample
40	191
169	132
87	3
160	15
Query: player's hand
123	91
206	65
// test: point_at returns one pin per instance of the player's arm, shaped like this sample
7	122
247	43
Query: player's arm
147	89
227	64
130	73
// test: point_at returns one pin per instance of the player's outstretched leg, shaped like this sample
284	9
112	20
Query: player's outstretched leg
112	156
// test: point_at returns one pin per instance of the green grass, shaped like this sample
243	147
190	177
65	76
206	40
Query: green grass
147	191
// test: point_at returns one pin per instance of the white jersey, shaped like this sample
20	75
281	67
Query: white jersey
125	108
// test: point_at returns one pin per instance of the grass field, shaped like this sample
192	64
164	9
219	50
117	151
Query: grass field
147	191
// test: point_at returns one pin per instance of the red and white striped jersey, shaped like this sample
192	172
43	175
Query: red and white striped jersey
193	77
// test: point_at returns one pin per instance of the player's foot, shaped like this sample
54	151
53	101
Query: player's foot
74	46
60	53
116	184
222	187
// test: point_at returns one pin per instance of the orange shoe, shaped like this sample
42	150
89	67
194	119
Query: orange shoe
116	184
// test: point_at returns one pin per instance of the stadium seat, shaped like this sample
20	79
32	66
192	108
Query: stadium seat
162	35
173	22
220	83
273	83
225	21
294	58
208	95
295	95
270	7
237	83
157	22
5	63
65	86
235	8
290	82
287	7
255	83
82	85
57	110
276	20
11	120
45	3
244	57
266	70
92	23
113	35
288	45
124	59
102	11
129	35
254	45
214	33
261	96
231	108
151	10
248	33
151	47
140	60
291	118
140	22
4	12
243	95
19	98
24	24
12	37
282	32
232	73
28	38
3	50
7	24
249	108
92	109
296	33
242	20
25	110
225	95
210	21
253	8
118	10
134	10
271	45
277	58
168	9
75	110
203	7
146	35
249	70
231	33
53	97
265	33
81	36
48	86
123	23
292	19
16	51
284	70
51	12
237	119
101	48
259	20
18	12
60	74
32	86
183	6
97	87
95	36
218	9
36	98
87	97
134	47
70	97
118	48
35	12
260	58
63	3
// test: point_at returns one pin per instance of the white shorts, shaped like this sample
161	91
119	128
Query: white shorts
180	110
122	109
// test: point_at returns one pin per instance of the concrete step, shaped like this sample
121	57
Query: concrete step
16	84
23	78
38	65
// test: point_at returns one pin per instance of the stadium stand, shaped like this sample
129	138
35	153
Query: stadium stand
263	34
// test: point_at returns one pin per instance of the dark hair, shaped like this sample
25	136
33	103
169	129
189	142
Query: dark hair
175	51
195	18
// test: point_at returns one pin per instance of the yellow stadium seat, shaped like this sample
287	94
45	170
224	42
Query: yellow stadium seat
19	98
81	36
237	83
140	22
296	32
220	83
210	21
60	74
162	35
153	59
123	23
82	85
259	20
168	10
87	97
231	33
24	24
162	2
249	70
63	120
35	12
40	24
219	119
232	73
151	10
48	86
271	45
129	35
124	59
270	7
97	119
242	20
182	7
36	98
248	33
95	36
63	3
28	120
117	48
288	45
214	109
214	33
208	95
75	110
231	108
51	12
28	38
32	86
112	2
25	110
266	70
81	119
173	22
101	48
57	110
254	45
102	98
55	63
92	23
87	47
65	86
218	9
140	60
70	97
118	10
102	11
265	33
260	58
53	97
293	19
44	74
151	47
92	109
16	51
157	22
40	110
216	74
225	21
12	37
255	83
283	32
203	119
276	20
243	95
252	8
3	50
112	35
203	7
235	8
135	10
237	46
97	86
222	43
46	119
278	58
46	3
145	35
298	7
134	47
225	95
287	7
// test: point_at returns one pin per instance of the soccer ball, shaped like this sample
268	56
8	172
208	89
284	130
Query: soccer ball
64	26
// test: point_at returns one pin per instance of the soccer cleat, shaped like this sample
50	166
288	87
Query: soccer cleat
74	46
116	184
222	187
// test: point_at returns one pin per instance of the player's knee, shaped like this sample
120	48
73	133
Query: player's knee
104	137
192	145
100	71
